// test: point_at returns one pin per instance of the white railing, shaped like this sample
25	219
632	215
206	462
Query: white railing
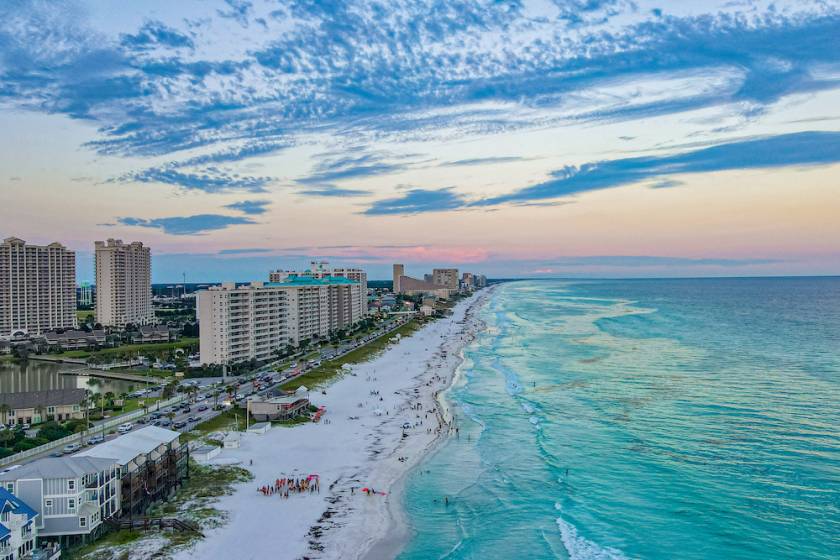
77	438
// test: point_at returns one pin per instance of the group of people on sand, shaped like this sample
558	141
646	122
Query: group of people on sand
283	486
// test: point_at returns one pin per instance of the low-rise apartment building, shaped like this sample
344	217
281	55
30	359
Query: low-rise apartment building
152	463
73	496
17	527
33	407
73	339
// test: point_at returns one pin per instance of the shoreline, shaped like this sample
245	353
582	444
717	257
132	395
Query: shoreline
397	532
383	419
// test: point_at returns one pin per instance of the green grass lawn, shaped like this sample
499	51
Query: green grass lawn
327	371
81	315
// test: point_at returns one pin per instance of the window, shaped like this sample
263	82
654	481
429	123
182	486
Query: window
10	486
82	522
71	485
47	503
71	504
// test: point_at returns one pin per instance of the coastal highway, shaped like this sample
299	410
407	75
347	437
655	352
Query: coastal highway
263	380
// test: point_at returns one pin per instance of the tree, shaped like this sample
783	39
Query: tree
39	412
5	409
6	437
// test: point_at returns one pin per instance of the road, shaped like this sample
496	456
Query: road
259	382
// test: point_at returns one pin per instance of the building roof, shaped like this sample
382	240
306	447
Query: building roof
154	329
12	504
295	280
127	447
58	467
32	399
72	334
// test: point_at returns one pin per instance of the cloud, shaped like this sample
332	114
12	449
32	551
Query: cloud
156	34
666	184
251	207
333	191
372	70
187	225
350	167
481	161
797	149
633	261
209	179
245	251
416	201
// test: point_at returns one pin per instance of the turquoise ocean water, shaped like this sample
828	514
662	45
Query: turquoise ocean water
649	419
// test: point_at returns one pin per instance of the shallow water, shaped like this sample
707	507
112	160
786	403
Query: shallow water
654	419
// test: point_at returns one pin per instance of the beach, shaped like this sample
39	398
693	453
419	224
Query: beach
381	419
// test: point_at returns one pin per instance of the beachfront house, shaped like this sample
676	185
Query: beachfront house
33	407
73	496
152	462
17	527
280	407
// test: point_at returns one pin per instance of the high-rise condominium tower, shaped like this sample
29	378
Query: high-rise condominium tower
37	287
123	283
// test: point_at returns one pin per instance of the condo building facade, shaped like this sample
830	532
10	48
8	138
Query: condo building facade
123	283
37	287
253	321
447	277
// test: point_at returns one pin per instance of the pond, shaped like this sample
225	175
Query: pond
42	376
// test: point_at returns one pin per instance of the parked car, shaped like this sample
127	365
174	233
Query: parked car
164	422
95	440
202	408
179	425
125	428
141	420
71	448
192	419
186	409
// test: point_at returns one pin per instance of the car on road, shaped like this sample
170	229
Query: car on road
202	408
179	425
193	419
125	428
186	409
164	422
141	420
95	439
57	454
71	448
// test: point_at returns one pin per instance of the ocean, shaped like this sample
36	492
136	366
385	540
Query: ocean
641	419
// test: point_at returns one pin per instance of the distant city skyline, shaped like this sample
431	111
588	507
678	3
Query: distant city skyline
516	139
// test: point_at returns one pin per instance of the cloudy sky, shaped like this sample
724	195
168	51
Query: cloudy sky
515	138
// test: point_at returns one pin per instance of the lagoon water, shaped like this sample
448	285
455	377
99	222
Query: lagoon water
649	419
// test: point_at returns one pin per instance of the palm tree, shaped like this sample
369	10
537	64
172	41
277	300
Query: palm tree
109	396
216	394
5	409
39	413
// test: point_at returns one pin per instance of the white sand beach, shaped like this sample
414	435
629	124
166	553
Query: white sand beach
396	389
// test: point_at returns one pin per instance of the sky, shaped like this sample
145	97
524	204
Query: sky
555	138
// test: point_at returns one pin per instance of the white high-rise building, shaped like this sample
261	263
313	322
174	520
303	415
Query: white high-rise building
37	287
123	283
252	322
